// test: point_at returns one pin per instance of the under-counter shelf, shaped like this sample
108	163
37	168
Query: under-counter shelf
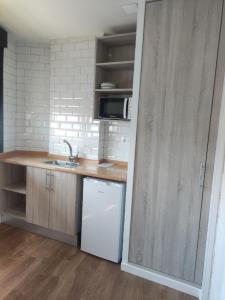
15	204
19	188
13	190
127	64
16	214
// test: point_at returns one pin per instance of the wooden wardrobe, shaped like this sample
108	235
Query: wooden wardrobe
178	115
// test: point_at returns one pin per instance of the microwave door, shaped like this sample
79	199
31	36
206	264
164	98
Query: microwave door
112	108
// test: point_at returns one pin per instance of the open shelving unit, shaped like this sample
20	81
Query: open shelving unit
18	210
16	214
19	188
13	190
118	39
114	63
129	64
106	91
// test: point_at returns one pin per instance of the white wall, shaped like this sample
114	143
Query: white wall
71	106
49	96
9	95
72	94
33	81
217	290
116	140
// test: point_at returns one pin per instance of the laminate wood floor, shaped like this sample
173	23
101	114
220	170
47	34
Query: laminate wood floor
36	268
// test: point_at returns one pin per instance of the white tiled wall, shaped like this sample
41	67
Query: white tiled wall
50	98
116	140
9	95
33	81
71	104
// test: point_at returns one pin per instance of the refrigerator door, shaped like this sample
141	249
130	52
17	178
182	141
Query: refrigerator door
102	218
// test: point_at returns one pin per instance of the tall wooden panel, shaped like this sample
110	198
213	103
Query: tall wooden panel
211	153
178	70
3	44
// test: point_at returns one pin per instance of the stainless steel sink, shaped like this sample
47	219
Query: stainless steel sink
62	163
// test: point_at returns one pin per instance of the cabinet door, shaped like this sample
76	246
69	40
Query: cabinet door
37	202
63	199
177	80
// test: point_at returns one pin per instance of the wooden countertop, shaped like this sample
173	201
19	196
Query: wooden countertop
117	172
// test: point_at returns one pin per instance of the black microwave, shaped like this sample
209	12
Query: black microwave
115	107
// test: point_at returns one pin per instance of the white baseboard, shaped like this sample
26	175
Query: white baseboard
162	279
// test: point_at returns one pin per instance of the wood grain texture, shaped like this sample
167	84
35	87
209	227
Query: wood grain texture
178	69
63	201
128	64
114	49
16	205
117	53
9	175
33	267
19	188
213	134
87	167
118	39
37	200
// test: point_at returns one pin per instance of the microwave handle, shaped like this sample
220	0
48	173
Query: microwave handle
125	108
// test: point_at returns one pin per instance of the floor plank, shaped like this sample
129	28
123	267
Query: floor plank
34	267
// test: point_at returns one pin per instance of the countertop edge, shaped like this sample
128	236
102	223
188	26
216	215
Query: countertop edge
12	158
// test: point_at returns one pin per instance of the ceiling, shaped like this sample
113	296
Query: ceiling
41	20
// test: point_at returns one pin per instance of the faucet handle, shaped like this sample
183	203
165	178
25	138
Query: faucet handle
73	158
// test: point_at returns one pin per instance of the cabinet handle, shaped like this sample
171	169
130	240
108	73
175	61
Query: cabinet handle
47	182
52	183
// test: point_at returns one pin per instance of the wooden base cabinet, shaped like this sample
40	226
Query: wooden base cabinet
64	195
179	62
37	202
54	200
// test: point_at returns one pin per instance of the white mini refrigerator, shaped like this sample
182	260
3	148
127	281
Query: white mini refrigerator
103	218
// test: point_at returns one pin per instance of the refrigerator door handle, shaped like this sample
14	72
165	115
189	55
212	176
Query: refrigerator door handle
125	108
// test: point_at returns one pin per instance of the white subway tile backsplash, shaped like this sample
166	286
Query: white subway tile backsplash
66	125
59	118
9	95
48	96
37	51
33	81
70	96
73	118
116	140
72	133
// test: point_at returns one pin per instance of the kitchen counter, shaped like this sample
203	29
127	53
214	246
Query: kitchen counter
87	167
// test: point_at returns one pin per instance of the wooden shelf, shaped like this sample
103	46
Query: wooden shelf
19	188
16	214
105	91
118	39
129	64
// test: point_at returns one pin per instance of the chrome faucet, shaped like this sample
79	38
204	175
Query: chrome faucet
72	158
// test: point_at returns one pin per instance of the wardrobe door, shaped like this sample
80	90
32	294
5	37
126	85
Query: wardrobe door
180	48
